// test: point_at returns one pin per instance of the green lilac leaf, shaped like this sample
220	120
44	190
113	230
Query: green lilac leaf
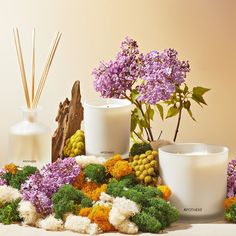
173	111
200	90
143	124
134	123
191	114
134	94
149	114
199	99
161	110
187	105
185	89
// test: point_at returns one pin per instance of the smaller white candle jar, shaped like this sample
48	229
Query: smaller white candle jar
197	176
107	126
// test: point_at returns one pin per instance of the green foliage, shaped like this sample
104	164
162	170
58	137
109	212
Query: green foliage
181	100
230	214
139	148
143	114
67	198
9	212
160	110
15	180
95	172
146	222
172	111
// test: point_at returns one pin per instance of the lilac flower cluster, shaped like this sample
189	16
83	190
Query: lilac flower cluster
114	78
231	179
2	181
155	74
162	72
38	189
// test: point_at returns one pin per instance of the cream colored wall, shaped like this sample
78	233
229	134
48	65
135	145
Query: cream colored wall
203	32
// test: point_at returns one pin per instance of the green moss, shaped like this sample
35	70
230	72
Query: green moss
67	198
139	148
230	214
9	212
146	222
95	172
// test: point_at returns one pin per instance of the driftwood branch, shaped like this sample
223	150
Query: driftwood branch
69	118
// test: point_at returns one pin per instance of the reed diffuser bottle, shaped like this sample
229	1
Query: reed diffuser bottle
30	140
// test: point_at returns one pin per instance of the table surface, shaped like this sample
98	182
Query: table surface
217	228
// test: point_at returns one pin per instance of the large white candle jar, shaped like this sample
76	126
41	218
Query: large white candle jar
197	176
107	126
29	141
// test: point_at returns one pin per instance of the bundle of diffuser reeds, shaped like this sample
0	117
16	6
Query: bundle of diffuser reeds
30	139
33	101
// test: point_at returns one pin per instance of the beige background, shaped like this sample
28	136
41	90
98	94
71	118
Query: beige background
202	31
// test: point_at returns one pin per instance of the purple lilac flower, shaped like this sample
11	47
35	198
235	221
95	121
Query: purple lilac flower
231	179
2	181
114	78
162	72
39	188
158	74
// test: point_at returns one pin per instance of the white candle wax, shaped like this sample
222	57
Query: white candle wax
107	127
197	176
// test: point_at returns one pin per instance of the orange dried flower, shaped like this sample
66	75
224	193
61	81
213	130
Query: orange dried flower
165	190
89	186
120	169
109	164
85	211
93	190
79	180
100	216
228	202
96	194
11	168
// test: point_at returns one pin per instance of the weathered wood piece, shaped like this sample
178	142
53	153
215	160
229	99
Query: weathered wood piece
69	118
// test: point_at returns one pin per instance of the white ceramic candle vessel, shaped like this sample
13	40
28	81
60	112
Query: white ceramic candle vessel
107	126
197	176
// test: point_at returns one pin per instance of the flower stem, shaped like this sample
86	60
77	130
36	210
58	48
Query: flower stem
139	136
148	129
179	117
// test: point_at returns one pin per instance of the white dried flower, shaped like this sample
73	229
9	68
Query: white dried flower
126	206
122	209
28	213
93	229
83	161
127	227
105	200
50	223
116	217
80	224
8	194
106	197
